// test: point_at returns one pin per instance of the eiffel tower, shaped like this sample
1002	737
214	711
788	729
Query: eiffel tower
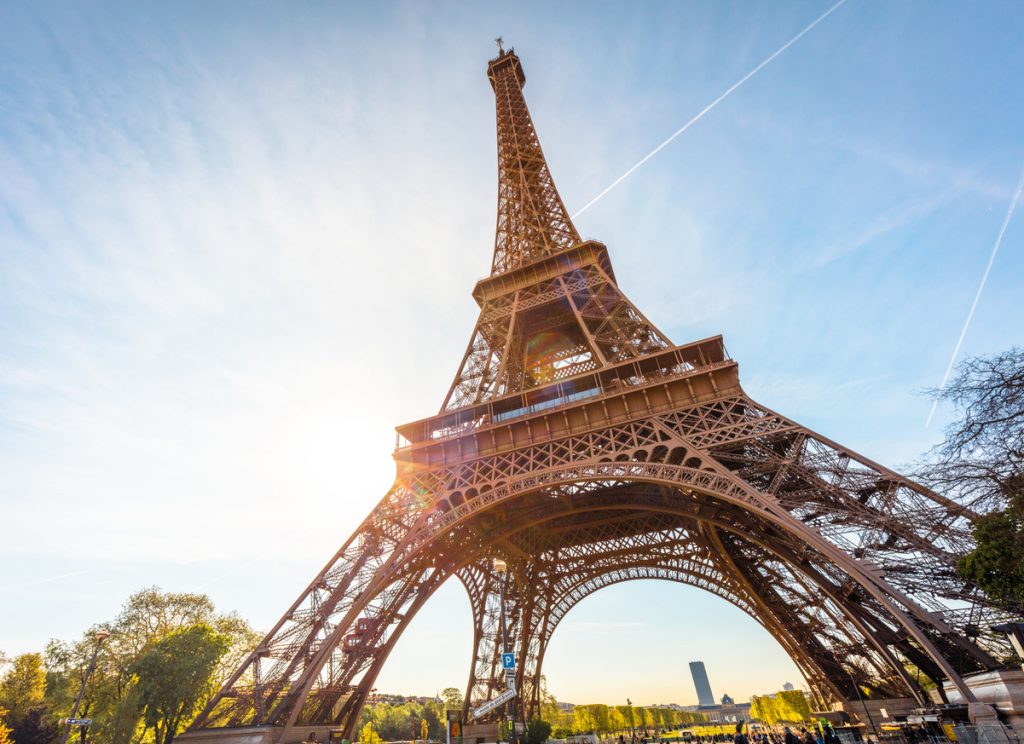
584	448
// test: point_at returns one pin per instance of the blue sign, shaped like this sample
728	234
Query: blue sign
508	661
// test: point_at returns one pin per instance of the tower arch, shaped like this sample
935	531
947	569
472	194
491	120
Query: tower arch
581	445
620	547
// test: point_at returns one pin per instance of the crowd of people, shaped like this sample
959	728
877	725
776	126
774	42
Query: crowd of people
824	735
803	735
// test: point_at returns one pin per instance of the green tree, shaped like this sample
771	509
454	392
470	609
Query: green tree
452	698
616	721
392	722
639	716
996	564
763	709
980	463
537	731
369	736
627	715
792	706
22	694
549	710
433	714
5	730
587	718
583	719
175	675
37	726
147	617
24	685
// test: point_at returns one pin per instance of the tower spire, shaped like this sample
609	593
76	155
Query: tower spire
551	309
532	220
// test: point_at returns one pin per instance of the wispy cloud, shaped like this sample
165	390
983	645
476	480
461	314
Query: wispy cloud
611	627
896	218
977	295
700	115
47	580
60	577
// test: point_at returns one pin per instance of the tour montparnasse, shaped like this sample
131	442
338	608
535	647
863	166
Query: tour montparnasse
581	446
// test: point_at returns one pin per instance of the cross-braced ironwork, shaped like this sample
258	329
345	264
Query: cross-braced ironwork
581	446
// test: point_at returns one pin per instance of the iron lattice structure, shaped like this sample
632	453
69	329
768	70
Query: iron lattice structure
585	449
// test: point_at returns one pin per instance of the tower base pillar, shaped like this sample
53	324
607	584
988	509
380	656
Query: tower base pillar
1000	692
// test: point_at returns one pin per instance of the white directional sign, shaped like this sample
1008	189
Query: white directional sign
492	704
77	721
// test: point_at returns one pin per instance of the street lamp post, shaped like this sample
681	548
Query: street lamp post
864	704
373	699
99	636
501	568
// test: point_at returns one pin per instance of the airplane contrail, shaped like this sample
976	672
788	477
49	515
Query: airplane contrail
977	296
710	106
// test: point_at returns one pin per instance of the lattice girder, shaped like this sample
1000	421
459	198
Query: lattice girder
435	526
580	445
624	456
583	572
532	220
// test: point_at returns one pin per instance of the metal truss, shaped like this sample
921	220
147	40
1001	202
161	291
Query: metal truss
585	449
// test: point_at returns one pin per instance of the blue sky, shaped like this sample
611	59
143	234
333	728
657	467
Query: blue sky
237	244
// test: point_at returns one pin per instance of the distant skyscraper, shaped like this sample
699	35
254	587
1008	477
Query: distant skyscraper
700	681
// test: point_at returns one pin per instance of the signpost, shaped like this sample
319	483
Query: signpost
73	719
508	662
454	727
495	703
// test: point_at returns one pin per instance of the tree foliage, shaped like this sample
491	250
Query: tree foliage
537	731
996	564
404	721
452	697
369	735
785	706
981	465
792	706
37	726
601	719
549	710
983	448
175	675
113	698
23	687
27	716
5	730
762	708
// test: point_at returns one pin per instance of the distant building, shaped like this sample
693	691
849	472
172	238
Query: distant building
727	700
423	699
724	713
788	686
700	682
